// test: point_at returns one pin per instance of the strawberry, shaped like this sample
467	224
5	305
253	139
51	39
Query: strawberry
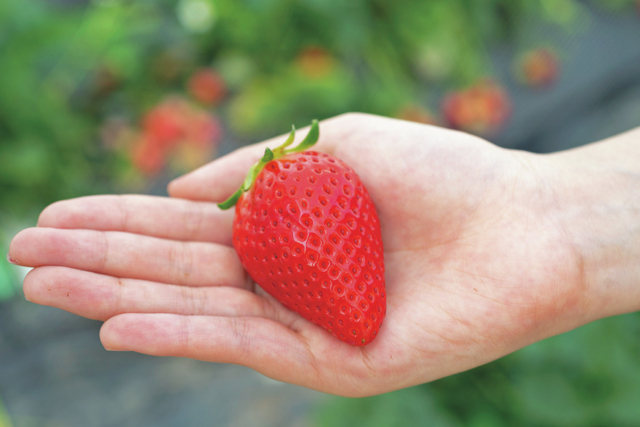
538	68
207	86
307	232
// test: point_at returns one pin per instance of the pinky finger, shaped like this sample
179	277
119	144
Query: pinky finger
264	345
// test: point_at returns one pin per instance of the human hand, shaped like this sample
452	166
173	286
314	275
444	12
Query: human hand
478	263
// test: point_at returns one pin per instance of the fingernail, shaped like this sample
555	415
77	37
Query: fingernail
12	261
27	298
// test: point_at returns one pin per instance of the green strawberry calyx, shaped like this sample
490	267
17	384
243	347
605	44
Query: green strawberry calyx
269	155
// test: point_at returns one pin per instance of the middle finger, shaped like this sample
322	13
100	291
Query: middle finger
147	215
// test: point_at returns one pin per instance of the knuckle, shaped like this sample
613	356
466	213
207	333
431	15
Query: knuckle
193	216
103	252
241	338
193	301
123	207
180	262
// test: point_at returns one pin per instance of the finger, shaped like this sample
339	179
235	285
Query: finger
152	216
101	297
130	255
261	344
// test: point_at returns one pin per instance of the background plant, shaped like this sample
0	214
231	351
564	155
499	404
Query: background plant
118	95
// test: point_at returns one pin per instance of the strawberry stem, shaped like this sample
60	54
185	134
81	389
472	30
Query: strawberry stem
269	155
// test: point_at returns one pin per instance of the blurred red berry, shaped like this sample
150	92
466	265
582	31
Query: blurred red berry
147	157
168	128
538	68
164	124
207	86
416	113
481	109
315	62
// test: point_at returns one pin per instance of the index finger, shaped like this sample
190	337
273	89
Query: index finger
153	216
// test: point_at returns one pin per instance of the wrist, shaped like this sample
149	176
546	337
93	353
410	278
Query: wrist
597	204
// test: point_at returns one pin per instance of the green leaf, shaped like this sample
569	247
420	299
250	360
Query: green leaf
255	170
309	140
231	201
7	288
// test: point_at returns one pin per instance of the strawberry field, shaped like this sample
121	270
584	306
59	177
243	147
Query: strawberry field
120	96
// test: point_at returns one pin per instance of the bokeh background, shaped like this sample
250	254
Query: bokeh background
116	96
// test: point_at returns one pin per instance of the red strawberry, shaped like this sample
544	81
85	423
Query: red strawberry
538	68
308	233
207	86
482	109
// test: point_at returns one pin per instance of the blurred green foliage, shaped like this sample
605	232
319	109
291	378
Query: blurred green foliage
48	148
67	67
5	421
379	53
589	377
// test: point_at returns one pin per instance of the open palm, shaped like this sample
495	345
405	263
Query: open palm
475	265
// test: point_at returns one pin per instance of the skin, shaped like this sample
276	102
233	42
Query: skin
487	250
